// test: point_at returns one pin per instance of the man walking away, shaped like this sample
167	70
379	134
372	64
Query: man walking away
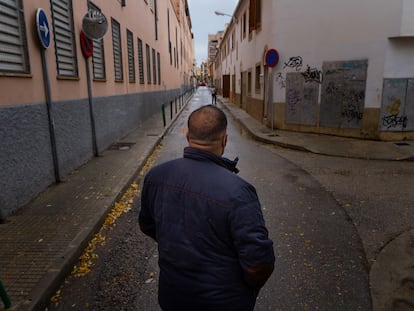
214	249
213	96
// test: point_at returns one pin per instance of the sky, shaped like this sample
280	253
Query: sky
205	22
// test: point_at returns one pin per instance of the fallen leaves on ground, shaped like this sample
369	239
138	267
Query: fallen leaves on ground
122	206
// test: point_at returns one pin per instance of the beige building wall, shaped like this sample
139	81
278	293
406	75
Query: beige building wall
138	17
41	140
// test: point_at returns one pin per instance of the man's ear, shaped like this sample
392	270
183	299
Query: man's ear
224	141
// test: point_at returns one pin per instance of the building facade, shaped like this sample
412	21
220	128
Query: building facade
58	108
333	67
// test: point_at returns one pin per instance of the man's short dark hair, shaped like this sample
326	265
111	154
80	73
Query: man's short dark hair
207	123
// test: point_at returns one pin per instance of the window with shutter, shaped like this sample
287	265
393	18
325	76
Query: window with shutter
131	56
117	50
98	57
65	48
154	68
140	62
14	56
159	67
148	55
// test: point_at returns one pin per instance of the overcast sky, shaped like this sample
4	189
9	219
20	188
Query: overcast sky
205	22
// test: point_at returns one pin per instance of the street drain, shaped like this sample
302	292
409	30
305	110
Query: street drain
402	144
121	146
272	135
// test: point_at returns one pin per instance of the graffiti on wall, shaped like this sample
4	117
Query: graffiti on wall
397	110
296	63
341	85
281	80
312	75
301	100
343	94
392	119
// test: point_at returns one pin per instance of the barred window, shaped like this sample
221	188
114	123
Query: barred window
64	36
257	80
159	67
140	62
14	56
131	56
148	55
98	57
116	44
154	67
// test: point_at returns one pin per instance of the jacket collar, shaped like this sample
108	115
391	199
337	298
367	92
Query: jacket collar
197	154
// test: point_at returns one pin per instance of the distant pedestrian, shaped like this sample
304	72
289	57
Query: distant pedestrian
214	249
213	96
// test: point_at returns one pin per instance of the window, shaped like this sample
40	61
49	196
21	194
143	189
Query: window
257	80
249	83
140	62
148	56
156	19
169	36
64	36
154	67
14	55
159	68
131	56
255	16
244	26
116	44
98	57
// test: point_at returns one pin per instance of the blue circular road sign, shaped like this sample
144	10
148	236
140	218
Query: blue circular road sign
272	58
43	29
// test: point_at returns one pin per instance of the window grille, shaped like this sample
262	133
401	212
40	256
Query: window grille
154	67
148	55
140	62
131	56
117	50
159	67
64	36
14	56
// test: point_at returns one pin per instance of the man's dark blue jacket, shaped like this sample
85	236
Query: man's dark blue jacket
210	231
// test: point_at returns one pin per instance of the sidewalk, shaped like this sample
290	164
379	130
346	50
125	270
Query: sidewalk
41	243
322	144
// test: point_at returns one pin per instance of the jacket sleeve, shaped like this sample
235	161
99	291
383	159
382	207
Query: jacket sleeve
146	214
250	237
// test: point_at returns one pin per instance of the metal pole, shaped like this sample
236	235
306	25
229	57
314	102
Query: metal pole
91	114
46	83
271	101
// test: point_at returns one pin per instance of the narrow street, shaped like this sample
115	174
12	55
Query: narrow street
320	260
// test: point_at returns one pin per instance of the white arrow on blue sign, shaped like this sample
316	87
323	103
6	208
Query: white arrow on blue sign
43	29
